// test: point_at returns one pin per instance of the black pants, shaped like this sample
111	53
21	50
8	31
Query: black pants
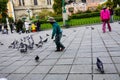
59	45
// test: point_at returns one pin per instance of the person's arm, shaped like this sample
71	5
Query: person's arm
54	31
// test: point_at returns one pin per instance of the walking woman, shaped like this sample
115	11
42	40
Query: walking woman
105	17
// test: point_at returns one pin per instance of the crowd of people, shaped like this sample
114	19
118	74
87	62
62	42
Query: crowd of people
20	26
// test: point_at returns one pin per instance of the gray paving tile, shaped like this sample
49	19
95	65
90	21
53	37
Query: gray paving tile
61	69
3	75
79	77
82	61
100	54
54	55
19	63
83	55
81	69
64	61
69	54
106	77
6	63
24	69
118	67
100	49
2	67
16	76
115	54
116	59
34	77
9	69
114	49
56	77
41	69
3	59
49	62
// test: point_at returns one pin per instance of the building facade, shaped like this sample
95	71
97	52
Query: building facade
24	8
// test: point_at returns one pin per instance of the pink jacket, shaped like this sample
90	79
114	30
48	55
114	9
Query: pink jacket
105	14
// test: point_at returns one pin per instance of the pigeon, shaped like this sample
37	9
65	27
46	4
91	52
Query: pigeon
100	65
47	34
37	58
23	47
92	28
64	35
45	40
24	39
40	38
38	45
10	46
1	43
74	30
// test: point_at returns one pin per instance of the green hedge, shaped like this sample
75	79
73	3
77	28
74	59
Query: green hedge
117	11
85	15
74	16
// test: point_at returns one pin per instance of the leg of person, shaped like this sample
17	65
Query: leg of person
109	27
57	43
104	26
11	29
0	28
61	45
111	19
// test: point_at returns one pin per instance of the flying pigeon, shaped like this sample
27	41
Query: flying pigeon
45	40
23	47
37	58
100	65
40	38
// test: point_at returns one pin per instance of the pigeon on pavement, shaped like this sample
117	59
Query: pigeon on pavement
100	65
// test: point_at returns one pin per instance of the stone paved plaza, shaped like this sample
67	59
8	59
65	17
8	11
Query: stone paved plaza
76	62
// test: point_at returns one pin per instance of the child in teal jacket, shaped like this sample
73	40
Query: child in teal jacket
57	32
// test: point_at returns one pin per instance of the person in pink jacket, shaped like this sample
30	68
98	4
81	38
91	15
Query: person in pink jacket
105	17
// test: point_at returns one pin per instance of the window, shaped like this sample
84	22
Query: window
35	2
84	1
48	2
21	3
